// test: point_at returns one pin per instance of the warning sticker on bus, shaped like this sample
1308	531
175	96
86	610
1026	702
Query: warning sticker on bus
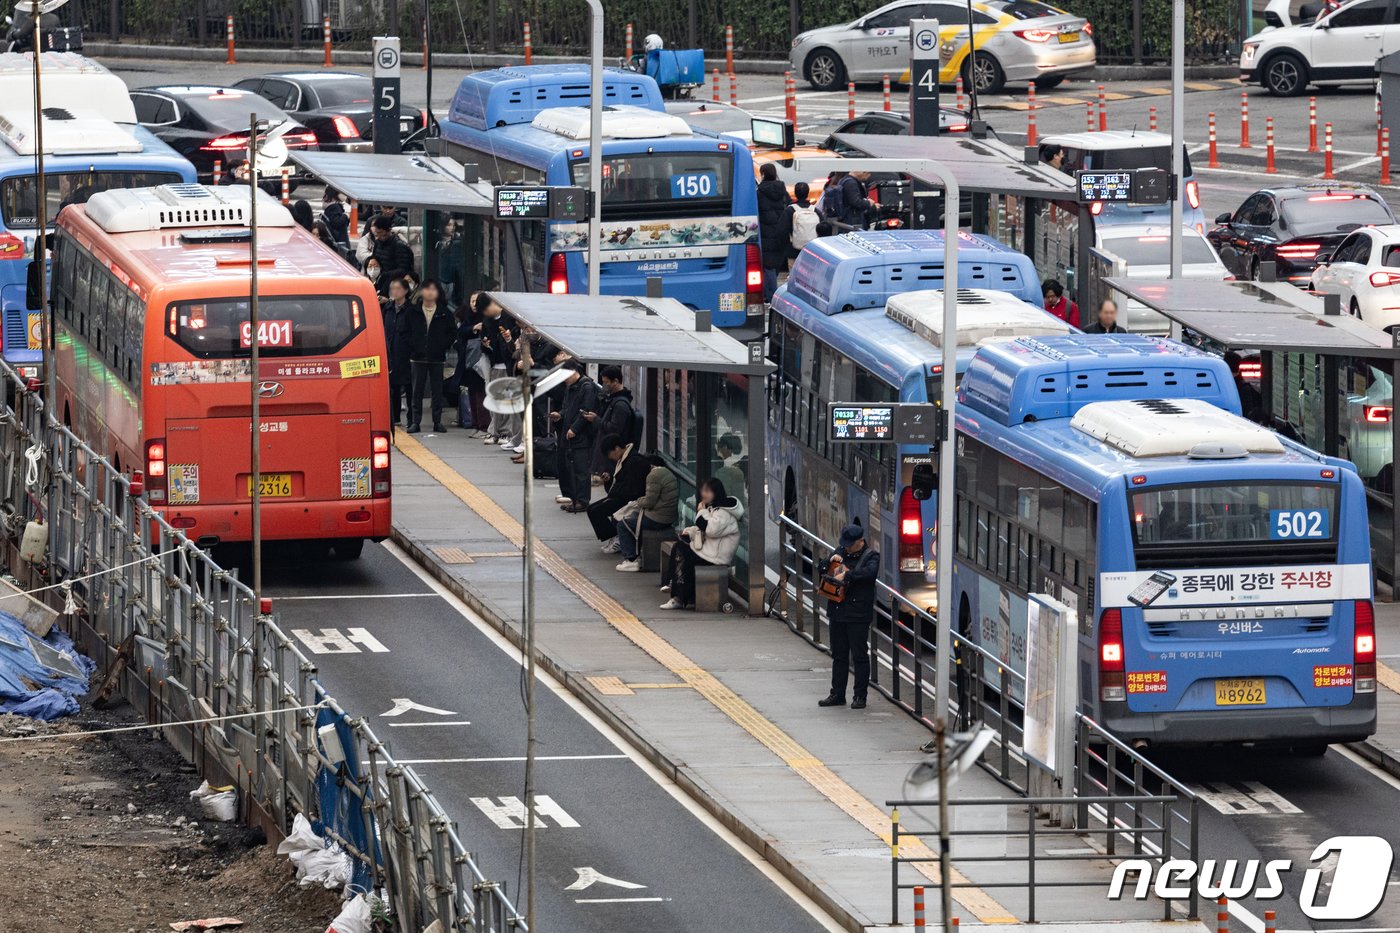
364	366
1332	675
36	330
182	480
354	479
1147	681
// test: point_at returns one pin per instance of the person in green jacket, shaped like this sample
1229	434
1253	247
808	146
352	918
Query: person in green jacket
656	510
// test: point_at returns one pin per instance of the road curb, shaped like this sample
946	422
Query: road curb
1380	757
675	770
314	56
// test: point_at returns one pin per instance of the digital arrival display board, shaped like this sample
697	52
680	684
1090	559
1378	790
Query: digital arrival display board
530	203
870	424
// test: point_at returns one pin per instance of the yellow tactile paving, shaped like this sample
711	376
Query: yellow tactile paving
1157	91
825	781
611	686
1114	95
452	555
1201	86
1388	676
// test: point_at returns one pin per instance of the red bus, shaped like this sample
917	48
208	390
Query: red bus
151	295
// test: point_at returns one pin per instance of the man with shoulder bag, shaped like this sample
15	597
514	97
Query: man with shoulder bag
849	586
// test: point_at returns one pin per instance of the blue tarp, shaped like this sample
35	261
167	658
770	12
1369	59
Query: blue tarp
40	678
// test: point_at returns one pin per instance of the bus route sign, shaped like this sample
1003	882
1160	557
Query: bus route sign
885	423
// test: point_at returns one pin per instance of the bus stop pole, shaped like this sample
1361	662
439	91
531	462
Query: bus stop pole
1178	130
595	145
255	454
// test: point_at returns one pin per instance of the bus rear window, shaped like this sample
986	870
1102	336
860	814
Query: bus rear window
17	193
1227	516
674	182
311	326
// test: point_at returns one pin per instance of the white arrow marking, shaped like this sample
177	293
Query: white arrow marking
589	876
405	705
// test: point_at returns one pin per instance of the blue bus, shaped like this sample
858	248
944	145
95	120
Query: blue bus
677	204
91	143
1220	573
835	345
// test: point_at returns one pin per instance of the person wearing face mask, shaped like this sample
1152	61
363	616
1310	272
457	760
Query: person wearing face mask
376	275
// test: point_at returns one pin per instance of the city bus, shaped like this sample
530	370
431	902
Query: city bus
91	143
888	351
151	295
678	204
1220	573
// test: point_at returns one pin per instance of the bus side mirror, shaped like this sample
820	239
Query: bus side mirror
922	481
33	286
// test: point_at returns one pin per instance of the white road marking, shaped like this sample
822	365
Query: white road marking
625	900
331	641
1365	765
283	599
1254	800
510	812
643	764
470	761
411	725
405	705
589	876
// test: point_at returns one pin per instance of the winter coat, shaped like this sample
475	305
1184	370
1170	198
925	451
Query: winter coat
863	570
429	342
852	201
629	477
396	341
1065	310
662	498
394	254
1097	328
499	350
774	223
614	417
337	222
578	398
719	540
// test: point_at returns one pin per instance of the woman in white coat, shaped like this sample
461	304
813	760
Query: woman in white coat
713	539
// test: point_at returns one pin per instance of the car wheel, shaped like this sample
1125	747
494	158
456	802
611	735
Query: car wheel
1049	82
1355	308
1254	269
1285	75
989	79
825	70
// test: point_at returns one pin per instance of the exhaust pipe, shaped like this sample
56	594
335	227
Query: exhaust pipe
1139	744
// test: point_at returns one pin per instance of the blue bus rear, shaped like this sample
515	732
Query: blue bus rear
677	204
1220	573
85	156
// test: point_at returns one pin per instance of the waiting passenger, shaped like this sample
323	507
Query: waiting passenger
1107	320
712	540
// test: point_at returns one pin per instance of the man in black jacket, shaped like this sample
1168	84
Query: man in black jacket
397	355
575	436
627	471
857	566
389	248
614	416
430	333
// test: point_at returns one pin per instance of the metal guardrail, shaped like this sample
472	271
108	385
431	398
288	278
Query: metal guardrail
985	691
198	650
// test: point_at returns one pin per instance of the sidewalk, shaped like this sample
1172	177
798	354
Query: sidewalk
725	705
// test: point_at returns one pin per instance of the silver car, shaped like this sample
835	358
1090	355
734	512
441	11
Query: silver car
1017	40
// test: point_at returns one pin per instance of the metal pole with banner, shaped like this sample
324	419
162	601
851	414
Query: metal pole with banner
1051	698
386	95
923	77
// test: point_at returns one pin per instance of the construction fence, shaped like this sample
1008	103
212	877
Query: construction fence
188	647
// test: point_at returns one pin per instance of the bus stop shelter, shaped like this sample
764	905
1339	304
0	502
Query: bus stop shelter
702	394
1027	205
1322	376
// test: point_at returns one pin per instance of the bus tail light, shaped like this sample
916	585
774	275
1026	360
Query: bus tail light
155	469
1111	680
911	538
558	274
1365	626
11	246
379	465
753	274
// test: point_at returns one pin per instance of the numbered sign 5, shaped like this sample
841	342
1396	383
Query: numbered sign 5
270	334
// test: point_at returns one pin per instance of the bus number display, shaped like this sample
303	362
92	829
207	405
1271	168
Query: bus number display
522	203
270	334
866	423
1298	524
693	185
1105	186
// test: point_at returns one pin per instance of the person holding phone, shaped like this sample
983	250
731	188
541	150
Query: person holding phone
713	539
853	569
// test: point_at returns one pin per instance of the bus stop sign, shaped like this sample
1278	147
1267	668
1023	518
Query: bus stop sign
386	93
923	77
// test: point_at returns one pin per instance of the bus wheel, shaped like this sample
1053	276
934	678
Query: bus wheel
349	548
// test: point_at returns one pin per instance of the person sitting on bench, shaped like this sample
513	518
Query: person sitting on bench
654	511
713	539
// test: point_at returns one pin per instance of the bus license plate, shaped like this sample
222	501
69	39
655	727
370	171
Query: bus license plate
1069	37
272	485
1239	692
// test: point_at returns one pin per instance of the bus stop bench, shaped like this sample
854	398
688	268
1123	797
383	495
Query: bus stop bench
711	582
650	545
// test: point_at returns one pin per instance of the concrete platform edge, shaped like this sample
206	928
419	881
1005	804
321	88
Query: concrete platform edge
1380	757
676	771
107	48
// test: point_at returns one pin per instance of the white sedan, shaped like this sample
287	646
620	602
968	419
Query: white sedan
1369	424
1364	270
1144	250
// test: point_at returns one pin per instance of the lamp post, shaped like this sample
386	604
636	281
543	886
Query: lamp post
255	452
595	145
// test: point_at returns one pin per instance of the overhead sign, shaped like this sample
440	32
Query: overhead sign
885	423
924	108
387	95
541	202
1137	186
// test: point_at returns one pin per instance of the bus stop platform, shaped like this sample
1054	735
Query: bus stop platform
726	706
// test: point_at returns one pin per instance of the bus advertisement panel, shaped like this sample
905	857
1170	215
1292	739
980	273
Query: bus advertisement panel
155	370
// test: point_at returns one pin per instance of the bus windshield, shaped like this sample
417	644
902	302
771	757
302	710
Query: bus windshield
311	326
17	193
663	183
1234	514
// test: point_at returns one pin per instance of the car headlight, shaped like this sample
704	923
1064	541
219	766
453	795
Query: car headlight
1247	53
799	39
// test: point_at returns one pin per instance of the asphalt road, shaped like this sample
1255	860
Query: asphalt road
666	866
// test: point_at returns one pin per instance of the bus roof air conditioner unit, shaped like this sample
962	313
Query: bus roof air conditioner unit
178	206
1180	427
984	316
64	133
619	122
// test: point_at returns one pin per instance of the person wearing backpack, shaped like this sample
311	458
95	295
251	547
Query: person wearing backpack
615	414
802	219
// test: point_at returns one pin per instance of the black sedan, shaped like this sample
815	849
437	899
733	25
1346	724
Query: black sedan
1293	227
337	106
210	124
894	123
